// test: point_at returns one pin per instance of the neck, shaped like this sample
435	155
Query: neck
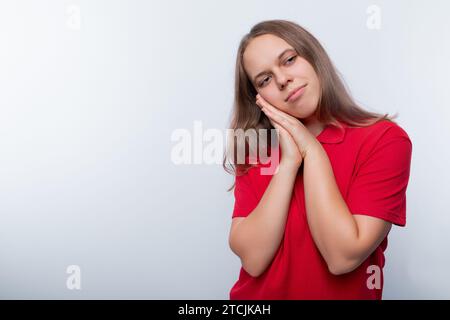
313	125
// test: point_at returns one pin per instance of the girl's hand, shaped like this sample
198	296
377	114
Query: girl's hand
290	153
301	135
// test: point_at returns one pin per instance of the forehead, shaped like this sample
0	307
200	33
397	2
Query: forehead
262	52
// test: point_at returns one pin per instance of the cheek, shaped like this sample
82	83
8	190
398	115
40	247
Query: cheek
275	98
271	95
315	89
312	76
302	68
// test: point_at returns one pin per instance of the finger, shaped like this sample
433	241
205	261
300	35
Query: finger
277	112
278	127
273	118
279	117
273	123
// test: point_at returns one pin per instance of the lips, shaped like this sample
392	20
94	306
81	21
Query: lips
293	92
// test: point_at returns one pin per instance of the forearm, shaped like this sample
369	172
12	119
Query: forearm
332	225
257	238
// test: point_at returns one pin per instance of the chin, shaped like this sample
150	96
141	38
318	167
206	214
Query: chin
303	112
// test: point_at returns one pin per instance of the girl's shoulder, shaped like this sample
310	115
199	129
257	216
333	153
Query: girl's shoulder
381	130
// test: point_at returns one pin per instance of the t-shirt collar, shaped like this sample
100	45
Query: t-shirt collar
332	133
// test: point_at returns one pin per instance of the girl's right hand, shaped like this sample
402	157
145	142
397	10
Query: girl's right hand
290	153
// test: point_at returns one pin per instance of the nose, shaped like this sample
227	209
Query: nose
283	80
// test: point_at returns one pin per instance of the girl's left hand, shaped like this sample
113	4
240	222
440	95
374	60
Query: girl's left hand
302	136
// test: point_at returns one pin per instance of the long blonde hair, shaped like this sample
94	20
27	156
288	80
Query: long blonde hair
335	103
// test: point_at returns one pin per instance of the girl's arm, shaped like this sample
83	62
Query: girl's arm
344	240
256	238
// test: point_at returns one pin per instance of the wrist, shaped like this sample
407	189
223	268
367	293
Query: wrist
313	148
289	165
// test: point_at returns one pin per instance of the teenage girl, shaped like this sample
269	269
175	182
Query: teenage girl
317	227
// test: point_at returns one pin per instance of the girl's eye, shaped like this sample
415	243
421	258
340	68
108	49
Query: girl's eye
288	61
291	59
262	82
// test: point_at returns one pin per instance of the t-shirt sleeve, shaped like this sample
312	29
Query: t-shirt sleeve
245	200
379	187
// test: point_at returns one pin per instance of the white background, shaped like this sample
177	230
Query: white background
88	104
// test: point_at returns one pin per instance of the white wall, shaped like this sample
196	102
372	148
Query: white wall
88	104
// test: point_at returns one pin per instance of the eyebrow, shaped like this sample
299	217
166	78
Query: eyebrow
279	57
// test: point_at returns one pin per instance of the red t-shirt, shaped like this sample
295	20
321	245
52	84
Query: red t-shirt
371	166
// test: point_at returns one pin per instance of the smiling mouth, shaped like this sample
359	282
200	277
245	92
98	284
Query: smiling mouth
294	92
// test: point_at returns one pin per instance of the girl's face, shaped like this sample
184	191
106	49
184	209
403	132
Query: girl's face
276	70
